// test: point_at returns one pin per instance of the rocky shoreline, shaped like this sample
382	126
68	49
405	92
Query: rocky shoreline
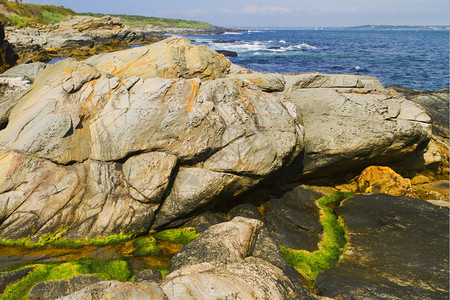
83	36
173	135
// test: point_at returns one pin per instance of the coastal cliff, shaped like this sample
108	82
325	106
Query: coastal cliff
173	134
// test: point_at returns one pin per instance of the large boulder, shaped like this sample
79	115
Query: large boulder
101	147
8	57
398	248
352	122
244	263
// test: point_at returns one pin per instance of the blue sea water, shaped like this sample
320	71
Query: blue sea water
416	59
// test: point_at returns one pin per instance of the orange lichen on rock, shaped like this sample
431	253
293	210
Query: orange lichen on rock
378	179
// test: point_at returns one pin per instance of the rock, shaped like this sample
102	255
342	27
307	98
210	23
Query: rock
148	275
79	36
204	220
173	58
116	290
243	263
376	179
8	57
93	150
351	122
266	82
292	217
26	71
227	53
6	279
60	288
398	249
435	103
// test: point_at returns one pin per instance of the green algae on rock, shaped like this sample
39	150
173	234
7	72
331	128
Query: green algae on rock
331	247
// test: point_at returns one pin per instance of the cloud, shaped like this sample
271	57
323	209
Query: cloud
255	9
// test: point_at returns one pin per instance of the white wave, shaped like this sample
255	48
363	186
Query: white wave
254	31
304	46
232	32
240	47
282	42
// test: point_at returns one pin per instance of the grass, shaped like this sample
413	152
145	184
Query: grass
25	14
330	249
133	20
179	236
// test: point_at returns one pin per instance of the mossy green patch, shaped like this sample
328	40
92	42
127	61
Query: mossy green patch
330	248
107	269
146	246
110	240
181	235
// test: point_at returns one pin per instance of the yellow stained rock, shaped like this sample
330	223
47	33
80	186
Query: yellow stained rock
378	179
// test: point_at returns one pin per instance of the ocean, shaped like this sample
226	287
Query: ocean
415	59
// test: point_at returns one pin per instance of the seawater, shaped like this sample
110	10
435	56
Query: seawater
416	59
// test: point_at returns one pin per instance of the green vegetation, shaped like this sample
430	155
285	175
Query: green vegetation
107	269
154	21
26	14
330	248
57	241
179	236
110	240
146	246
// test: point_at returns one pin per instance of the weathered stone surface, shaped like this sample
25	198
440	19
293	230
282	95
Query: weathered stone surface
349	125
377	179
176	57
148	275
60	288
26	71
292	217
398	249
7	279
149	174
266	82
116	290
243	264
80	35
114	151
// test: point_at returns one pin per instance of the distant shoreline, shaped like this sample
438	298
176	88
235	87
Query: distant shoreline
363	27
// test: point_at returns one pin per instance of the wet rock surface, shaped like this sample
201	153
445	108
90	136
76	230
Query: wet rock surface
60	288
6	279
398	249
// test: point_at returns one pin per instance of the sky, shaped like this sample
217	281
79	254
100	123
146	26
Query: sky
280	13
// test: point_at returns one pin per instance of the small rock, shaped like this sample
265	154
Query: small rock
227	53
148	275
384	180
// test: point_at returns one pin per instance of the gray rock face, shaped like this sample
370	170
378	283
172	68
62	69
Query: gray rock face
352	122
243	264
398	249
148	275
114	145
60	288
26	71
